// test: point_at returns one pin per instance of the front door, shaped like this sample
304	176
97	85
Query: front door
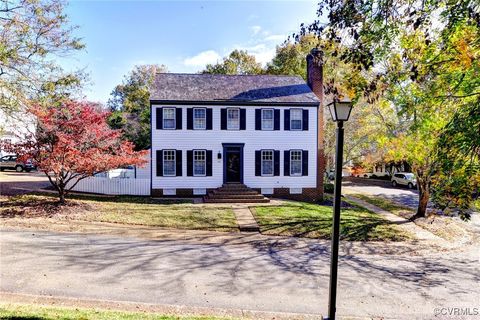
233	164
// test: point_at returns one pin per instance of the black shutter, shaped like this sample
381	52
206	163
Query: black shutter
178	117
286	124
159	163
243	119
258	119
276	163
209	163
209	119
305	120
223	119
159	118
258	163
178	160
286	163
189	163
276	120
305	163
190	119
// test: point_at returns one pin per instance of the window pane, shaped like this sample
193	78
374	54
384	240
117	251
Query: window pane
233	119
169	118
199	118
296	118
296	163
267	119
267	162
169	162
199	162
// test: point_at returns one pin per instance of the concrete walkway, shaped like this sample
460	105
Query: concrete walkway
245	220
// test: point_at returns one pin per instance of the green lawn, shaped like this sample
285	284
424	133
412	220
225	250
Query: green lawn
33	312
315	221
125	210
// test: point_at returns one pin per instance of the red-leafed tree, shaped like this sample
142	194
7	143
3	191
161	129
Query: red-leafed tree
72	142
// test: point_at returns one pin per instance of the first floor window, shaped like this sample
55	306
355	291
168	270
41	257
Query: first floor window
199	118
233	119
199	162
168	118
267	119
267	162
169	163
296	119
296	162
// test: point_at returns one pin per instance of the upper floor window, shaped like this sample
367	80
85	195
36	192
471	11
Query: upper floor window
296	119
168	118
296	162
267	119
169	167
267	162
199	162
233	119
199	118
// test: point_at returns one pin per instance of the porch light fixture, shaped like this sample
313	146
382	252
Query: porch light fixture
340	112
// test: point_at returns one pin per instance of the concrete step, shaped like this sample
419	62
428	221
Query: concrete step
210	200
234	186
232	192
234	196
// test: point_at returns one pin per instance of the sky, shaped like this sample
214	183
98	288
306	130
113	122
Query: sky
183	35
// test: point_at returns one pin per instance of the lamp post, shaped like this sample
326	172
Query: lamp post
340	112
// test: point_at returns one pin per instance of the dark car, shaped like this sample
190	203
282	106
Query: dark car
12	163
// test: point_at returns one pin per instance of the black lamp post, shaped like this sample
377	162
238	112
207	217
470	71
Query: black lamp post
340	112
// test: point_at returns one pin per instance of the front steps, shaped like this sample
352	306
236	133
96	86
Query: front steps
234	193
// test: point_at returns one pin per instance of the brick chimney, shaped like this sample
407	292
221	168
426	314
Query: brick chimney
315	82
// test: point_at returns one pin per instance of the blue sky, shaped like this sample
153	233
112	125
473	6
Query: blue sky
182	35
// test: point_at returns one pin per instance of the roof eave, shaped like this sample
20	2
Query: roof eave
235	103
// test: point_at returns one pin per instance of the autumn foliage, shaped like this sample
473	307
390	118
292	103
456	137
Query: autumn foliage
73	142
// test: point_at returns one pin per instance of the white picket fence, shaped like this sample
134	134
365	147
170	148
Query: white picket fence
114	186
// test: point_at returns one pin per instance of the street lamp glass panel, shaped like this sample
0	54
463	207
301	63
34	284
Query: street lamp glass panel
340	110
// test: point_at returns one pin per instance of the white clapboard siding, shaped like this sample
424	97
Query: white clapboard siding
138	187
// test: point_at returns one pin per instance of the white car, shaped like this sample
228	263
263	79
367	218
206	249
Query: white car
404	179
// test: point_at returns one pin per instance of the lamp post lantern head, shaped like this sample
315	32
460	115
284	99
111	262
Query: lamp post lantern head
340	109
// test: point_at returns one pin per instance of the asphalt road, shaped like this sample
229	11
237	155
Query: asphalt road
259	273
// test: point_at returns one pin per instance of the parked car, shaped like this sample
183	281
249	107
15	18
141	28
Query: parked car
404	179
11	162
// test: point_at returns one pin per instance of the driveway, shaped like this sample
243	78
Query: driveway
393	280
13	183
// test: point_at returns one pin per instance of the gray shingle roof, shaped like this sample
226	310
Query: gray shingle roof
231	88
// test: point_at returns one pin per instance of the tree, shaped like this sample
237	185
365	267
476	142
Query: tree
130	105
73	142
33	34
421	59
238	62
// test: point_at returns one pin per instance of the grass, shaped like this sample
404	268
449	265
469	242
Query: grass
441	226
34	312
315	221
124	210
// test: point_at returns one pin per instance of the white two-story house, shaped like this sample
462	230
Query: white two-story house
261	131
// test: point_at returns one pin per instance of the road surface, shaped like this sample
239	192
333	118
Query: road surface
255	273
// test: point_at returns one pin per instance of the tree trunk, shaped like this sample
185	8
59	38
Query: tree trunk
423	183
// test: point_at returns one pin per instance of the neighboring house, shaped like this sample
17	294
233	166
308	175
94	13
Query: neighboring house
263	131
14	127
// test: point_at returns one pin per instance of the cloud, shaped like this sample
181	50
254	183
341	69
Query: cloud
262	52
255	29
275	37
202	59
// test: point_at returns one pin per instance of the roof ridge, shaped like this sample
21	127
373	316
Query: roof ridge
231	75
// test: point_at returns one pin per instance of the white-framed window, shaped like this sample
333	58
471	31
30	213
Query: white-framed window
168	118
267	119
295	162
199	118
169	165
199	163
267	162
233	119
296	119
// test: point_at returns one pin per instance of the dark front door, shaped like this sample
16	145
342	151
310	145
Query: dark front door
233	164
